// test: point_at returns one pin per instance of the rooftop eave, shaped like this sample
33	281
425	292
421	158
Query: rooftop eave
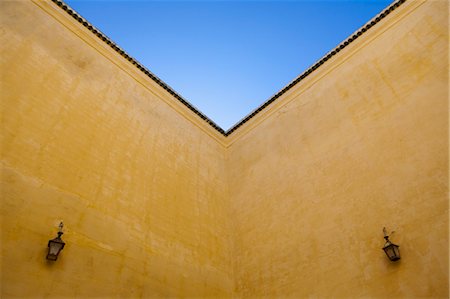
263	106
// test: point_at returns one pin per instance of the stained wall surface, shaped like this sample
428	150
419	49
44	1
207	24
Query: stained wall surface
361	144
138	185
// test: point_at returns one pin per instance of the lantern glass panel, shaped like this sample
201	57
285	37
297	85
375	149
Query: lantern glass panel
392	252
396	252
389	251
52	257
55	247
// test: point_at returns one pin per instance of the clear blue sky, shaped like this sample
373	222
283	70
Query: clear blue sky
227	57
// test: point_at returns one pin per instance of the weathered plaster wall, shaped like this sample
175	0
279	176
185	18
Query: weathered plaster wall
145	188
361	144
138	186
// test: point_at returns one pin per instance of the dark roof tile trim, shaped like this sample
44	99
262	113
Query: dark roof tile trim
124	54
327	56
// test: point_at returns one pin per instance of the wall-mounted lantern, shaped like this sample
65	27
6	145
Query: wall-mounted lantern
390	249
55	245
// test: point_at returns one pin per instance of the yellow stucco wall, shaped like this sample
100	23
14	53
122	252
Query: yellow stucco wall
361	144
138	186
157	204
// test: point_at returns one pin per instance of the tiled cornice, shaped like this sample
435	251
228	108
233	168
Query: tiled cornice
311	69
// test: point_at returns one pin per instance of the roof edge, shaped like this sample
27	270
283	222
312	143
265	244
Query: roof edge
191	107
136	63
316	65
